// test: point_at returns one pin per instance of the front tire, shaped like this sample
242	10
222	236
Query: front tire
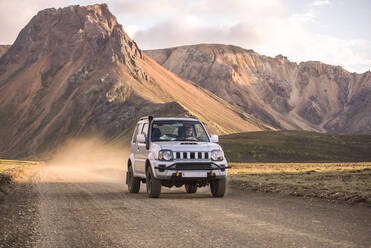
217	187
133	182
190	188
153	184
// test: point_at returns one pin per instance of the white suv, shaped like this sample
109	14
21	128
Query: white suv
175	152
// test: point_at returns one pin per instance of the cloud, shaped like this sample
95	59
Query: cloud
131	30
187	31
270	27
266	27
351	54
320	3
250	9
15	14
140	8
211	21
312	11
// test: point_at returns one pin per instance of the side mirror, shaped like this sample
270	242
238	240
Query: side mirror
141	138
214	138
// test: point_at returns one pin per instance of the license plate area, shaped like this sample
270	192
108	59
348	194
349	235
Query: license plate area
194	174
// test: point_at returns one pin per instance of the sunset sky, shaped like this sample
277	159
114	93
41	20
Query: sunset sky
332	31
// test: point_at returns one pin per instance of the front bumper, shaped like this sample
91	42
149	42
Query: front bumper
190	169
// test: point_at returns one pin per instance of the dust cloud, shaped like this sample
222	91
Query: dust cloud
88	159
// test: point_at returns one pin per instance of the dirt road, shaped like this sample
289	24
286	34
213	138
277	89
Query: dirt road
77	206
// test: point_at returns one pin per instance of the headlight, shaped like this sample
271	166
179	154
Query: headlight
217	155
165	155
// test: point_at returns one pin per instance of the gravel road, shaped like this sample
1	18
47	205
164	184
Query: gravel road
77	206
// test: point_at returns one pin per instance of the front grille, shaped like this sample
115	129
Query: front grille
192	166
191	155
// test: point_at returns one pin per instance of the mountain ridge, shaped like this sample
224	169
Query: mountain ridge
307	95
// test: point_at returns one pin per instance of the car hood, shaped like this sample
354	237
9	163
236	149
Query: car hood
189	146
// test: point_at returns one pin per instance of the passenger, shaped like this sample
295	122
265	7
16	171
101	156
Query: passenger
156	134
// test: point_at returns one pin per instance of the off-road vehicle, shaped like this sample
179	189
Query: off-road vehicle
175	152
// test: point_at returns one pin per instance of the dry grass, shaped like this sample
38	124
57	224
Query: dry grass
251	168
7	165
341	181
11	169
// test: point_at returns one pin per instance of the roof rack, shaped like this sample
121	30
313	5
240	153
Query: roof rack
146	117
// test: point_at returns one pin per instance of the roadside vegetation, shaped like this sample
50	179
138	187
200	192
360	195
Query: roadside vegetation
349	182
301	163
9	170
296	146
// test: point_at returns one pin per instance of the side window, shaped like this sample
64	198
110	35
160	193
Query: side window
145	129
135	133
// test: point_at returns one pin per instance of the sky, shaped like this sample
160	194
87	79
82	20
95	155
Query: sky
335	32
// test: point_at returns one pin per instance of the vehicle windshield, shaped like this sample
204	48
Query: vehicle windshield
178	130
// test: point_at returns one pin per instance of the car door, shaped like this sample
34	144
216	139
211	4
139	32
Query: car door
142	151
134	145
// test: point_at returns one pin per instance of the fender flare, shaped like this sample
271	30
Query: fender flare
149	159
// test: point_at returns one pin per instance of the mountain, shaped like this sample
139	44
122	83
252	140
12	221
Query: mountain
309	95
74	71
3	49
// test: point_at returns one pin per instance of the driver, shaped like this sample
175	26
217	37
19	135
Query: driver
189	134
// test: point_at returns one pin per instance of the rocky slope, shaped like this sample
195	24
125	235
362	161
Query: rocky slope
3	49
74	71
309	95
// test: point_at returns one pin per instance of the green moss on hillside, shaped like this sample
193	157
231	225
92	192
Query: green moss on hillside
296	146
